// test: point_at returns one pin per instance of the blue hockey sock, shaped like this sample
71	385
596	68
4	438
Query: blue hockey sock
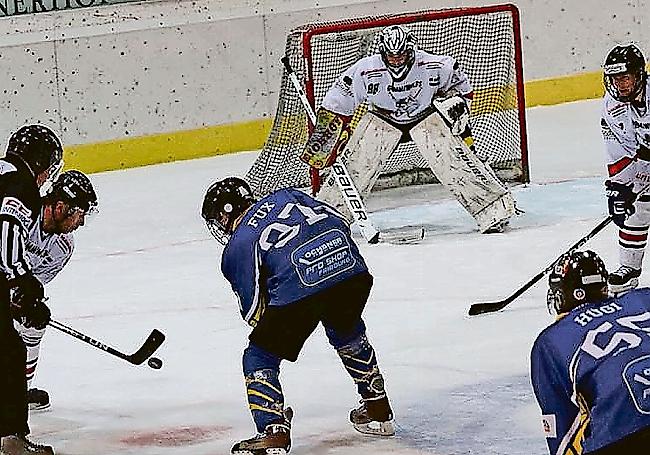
359	360
265	398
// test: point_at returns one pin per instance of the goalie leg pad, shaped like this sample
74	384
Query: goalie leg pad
470	180
369	147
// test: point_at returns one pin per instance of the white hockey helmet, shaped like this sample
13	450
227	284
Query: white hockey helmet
397	47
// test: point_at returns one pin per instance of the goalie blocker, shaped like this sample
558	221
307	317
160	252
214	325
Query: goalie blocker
472	182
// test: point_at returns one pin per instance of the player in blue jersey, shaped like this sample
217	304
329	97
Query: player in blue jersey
292	264
590	369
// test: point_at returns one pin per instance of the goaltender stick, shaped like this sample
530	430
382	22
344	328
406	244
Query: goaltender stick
410	93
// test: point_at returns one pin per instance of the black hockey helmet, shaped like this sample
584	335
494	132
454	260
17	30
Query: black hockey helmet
75	190
396	41
223	203
625	59
39	147
577	278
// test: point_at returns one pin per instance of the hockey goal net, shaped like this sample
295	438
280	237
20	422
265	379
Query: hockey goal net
484	40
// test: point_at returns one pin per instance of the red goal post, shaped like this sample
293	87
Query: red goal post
486	42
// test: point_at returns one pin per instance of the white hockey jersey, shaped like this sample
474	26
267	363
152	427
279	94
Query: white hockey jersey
48	253
626	133
368	80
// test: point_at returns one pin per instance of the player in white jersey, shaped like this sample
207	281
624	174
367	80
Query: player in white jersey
625	126
411	94
49	248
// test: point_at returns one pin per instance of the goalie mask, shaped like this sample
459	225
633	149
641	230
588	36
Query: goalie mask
624	72
397	47
576	278
224	202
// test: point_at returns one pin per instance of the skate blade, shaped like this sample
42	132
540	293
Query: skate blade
33	407
376	428
275	451
619	290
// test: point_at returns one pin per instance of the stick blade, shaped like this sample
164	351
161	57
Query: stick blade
487	307
402	236
151	344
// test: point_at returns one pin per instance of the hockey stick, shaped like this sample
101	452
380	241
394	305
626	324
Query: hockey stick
490	307
152	343
346	186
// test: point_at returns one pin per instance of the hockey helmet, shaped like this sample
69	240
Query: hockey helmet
577	278
224	202
39	147
75	190
624	59
397	47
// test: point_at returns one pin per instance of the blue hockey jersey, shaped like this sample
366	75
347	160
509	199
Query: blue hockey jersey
590	371
288	246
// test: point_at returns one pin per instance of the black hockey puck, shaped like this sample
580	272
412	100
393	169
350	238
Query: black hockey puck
155	363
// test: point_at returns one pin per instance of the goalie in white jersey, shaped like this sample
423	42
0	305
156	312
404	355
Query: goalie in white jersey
411	95
49	248
625	126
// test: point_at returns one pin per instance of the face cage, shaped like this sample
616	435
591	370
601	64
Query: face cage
52	174
554	301
218	232
89	215
399	72
639	85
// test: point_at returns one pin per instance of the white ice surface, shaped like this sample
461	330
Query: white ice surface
458	385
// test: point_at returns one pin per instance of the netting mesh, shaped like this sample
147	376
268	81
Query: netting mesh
483	44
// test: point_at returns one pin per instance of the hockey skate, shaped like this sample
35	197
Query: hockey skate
374	417
38	400
497	228
623	279
20	445
276	439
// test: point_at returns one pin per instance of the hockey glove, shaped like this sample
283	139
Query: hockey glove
620	201
330	135
28	302
455	113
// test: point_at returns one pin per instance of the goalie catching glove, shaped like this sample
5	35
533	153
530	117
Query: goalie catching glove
330	135
454	111
620	201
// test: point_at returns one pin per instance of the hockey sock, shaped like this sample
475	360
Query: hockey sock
359	360
32	339
265	398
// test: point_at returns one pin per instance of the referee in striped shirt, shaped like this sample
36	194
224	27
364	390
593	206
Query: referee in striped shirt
34	155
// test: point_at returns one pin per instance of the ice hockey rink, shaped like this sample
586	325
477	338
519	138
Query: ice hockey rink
458	385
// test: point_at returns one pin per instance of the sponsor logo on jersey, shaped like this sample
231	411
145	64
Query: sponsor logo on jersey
16	209
637	124
549	427
323	257
405	87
